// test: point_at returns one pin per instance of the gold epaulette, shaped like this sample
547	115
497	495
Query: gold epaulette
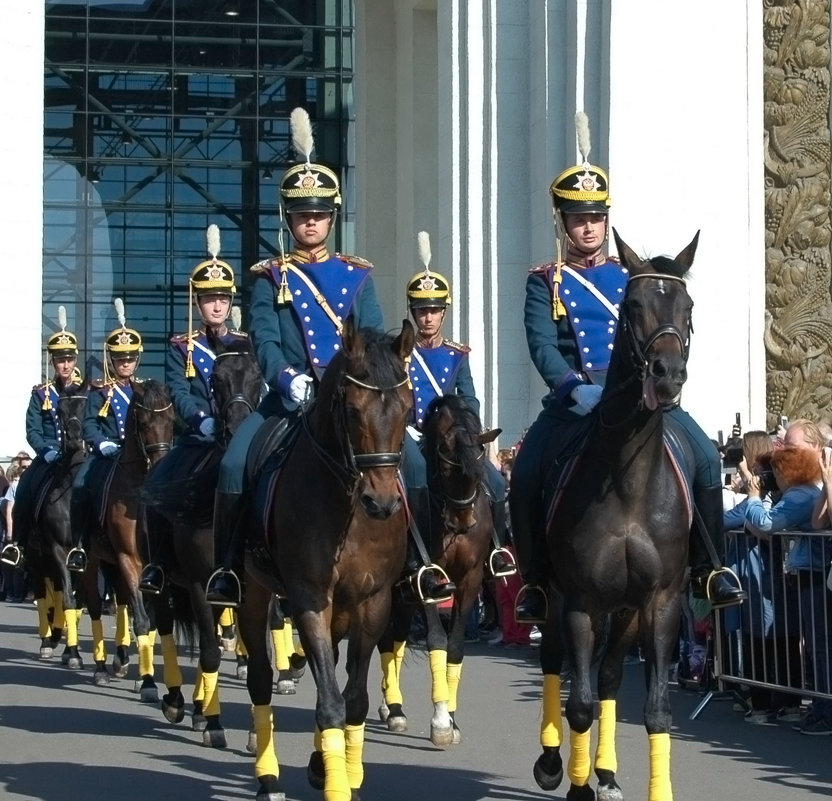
97	383
541	268
264	266
356	261
236	332
456	346
175	340
38	387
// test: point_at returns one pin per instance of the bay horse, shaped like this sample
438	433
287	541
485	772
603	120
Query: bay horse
454	447
617	537
178	496
336	535
50	535
114	543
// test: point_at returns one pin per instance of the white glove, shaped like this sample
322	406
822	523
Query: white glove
300	390
50	456
207	427
108	448
414	433
586	396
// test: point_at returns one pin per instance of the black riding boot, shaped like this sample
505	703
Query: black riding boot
500	561
428	580
709	579
79	517
531	605
224	586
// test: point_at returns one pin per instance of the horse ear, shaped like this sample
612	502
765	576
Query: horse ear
685	258
625	253
403	344
348	334
489	436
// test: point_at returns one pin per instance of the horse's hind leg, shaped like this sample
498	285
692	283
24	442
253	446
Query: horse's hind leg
548	769
207	617
173	702
100	675
277	626
441	724
391	650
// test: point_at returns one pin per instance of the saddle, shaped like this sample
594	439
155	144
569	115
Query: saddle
39	488
100	479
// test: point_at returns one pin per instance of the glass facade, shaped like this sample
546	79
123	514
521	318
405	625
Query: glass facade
163	116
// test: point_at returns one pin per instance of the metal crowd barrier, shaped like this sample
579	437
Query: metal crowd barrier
780	638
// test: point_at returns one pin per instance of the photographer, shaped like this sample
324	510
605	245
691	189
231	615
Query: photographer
743	456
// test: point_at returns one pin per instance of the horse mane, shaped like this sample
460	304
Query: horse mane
371	359
467	449
665	265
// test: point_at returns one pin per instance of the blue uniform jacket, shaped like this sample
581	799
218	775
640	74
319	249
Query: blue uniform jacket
192	397
448	365
298	337
574	349
43	430
98	429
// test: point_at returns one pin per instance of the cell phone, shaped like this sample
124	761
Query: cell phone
738	420
784	421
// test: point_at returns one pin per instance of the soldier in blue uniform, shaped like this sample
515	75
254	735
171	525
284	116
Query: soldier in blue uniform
571	311
43	429
103	426
190	364
438	367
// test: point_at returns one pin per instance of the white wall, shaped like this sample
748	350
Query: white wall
21	216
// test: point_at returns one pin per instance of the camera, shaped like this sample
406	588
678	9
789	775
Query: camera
768	483
732	452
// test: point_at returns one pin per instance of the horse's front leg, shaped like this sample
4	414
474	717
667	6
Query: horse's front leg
100	676
130	568
661	629
623	633
441	724
391	648
173	702
252	619
329	757
70	657
210	655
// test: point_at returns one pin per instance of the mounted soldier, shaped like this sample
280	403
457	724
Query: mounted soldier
440	367
189	367
43	432
104	429
570	317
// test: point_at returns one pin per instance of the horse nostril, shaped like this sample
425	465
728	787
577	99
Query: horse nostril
658	368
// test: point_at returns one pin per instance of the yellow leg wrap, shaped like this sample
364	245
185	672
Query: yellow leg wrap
71	629
58	616
354	743
44	629
299	649
398	655
454	673
240	649
660	789
145	655
265	763
211	699
227	617
171	672
316	739
151	636
336	786
551	727
439	676
199	689
579	763
122	625
287	633
49	593
605	758
99	650
390	679
281	658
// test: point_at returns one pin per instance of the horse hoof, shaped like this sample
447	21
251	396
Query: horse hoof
101	678
45	653
548	770
315	770
582	793
66	656
120	671
47	649
251	745
269	789
397	723
75	663
242	672
383	712
441	736
173	712
198	722
457	739
148	693
285	686
214	738
297	667
228	643
609	792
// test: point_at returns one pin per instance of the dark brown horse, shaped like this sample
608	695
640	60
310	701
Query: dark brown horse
113	544
337	532
460	515
179	497
50	537
617	537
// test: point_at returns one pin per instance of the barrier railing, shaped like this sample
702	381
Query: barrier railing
780	639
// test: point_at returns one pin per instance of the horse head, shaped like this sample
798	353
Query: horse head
454	454
236	384
654	324
149	424
363	406
71	405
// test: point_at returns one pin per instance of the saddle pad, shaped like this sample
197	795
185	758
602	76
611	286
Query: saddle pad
100	478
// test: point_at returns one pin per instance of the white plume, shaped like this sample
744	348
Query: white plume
302	139
62	317
582	130
236	318
119	304
212	235
423	242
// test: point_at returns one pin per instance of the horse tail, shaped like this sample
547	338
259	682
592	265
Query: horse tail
184	619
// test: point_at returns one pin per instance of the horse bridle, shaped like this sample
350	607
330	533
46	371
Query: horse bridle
638	350
458	504
153	447
237	397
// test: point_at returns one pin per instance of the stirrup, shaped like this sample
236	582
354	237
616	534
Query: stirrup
417	583
521	596
11	555
148	587
83	557
724	571
509	570
226	600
